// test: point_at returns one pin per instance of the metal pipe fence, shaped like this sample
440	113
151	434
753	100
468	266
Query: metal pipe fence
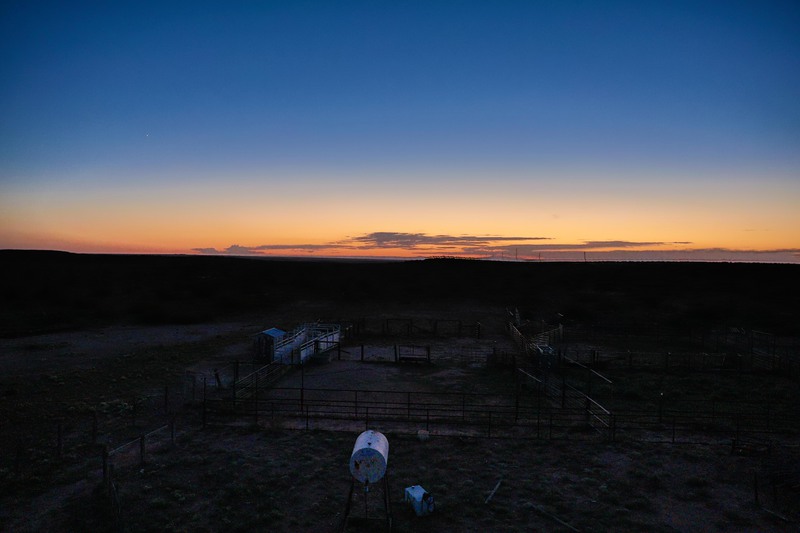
515	416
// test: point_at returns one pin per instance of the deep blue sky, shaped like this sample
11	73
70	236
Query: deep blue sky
111	93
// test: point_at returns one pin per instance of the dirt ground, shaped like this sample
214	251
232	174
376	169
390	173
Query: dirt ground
247	476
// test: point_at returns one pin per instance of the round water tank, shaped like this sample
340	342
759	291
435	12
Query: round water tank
369	457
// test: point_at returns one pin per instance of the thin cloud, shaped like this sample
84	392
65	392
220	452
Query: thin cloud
235	249
386	239
625	244
206	251
309	247
588	246
519	247
746	251
420	243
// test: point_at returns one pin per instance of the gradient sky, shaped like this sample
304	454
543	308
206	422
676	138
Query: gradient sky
626	130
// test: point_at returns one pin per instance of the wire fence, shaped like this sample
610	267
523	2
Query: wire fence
733	349
547	411
366	327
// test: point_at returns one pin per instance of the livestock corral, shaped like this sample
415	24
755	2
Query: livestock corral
513	419
574	428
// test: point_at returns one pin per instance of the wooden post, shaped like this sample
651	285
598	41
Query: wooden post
738	424
255	402
172	429
612	427
204	402
302	383
142	439
133	413
105	465
673	429
755	488
233	389
538	416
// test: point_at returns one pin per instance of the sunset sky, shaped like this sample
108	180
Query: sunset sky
507	130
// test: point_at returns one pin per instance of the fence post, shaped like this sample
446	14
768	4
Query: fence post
613	427
538	419
141	449
233	388
133	413
204	402
302	383
105	465
60	445
738	424
172	430
673	429
255	402
563	392
755	488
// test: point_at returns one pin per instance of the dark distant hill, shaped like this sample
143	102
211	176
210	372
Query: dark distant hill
44	291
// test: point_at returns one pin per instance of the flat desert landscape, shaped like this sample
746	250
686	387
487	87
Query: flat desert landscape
523	396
